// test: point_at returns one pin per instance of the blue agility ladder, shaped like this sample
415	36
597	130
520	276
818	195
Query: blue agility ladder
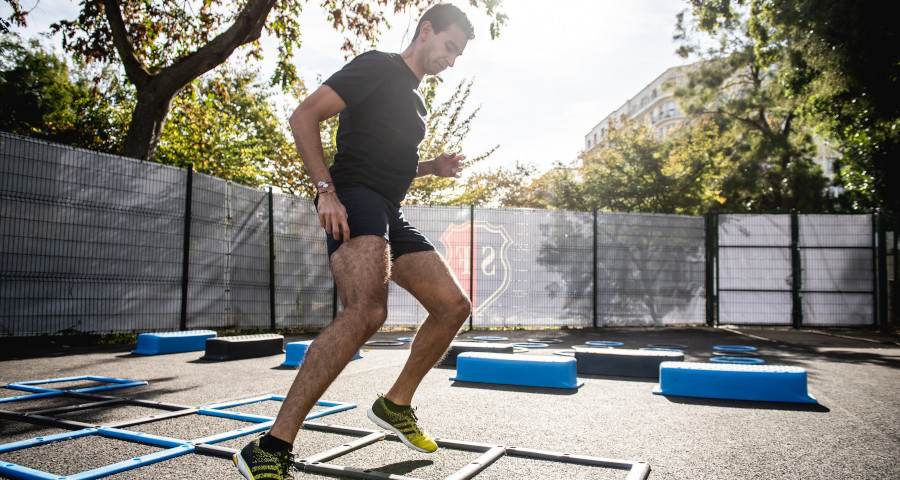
173	447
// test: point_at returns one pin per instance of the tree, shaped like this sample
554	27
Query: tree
837	68
225	126
736	85
634	171
43	98
163	46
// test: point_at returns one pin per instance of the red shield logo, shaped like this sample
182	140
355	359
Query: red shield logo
482	252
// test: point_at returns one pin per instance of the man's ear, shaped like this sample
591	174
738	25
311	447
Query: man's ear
426	30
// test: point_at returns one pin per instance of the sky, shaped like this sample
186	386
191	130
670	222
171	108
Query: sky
556	70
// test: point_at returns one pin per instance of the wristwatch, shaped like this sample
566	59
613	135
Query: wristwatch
321	185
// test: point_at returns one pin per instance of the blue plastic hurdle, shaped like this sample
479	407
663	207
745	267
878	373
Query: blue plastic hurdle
172	342
527	370
767	383
295	352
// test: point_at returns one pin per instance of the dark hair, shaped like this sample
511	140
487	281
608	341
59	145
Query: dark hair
442	16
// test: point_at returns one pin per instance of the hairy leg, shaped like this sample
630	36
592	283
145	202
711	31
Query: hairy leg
428	278
361	269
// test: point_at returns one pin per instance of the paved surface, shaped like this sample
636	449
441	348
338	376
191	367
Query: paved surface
853	433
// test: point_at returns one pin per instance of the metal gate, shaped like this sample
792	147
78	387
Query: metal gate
796	270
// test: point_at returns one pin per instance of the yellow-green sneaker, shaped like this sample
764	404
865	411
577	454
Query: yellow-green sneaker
402	421
254	463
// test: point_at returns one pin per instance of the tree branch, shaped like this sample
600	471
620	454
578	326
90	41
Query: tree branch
134	68
246	28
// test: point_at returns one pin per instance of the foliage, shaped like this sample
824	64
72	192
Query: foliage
834	64
16	17
634	171
164	46
43	98
225	126
737	85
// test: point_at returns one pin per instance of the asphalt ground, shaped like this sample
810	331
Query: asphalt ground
852	433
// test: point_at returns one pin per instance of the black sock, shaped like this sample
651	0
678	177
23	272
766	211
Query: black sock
273	445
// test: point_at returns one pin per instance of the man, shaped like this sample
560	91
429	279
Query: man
382	122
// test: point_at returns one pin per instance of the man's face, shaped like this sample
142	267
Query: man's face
443	48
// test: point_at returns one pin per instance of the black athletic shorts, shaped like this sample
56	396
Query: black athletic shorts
369	213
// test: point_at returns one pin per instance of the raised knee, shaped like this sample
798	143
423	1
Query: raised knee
461	309
377	314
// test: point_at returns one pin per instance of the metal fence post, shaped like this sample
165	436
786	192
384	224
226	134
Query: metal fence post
594	269
892	286
271	260
880	270
712	255
472	265
796	273
186	252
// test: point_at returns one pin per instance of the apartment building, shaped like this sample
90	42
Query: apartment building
655	104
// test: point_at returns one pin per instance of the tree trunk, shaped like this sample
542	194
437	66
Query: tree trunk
146	125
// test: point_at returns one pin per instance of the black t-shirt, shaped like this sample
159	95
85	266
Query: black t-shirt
382	126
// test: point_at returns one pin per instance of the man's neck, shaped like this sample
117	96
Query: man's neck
411	57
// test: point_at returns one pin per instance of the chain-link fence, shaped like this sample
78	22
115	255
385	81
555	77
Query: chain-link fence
96	243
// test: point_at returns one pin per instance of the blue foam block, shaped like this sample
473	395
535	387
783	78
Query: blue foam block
295	352
768	383
172	342
509	369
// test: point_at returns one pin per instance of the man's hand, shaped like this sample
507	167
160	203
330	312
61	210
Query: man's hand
448	165
333	216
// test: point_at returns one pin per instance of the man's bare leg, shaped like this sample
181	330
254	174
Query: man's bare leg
428	278
361	268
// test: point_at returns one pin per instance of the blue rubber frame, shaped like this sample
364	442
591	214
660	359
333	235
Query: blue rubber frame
176	448
738	360
42	392
116	383
734	348
32	396
264	423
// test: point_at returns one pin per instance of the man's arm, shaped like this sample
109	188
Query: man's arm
323	104
444	165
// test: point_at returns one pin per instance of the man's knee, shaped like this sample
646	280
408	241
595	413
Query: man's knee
372	315
459	309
